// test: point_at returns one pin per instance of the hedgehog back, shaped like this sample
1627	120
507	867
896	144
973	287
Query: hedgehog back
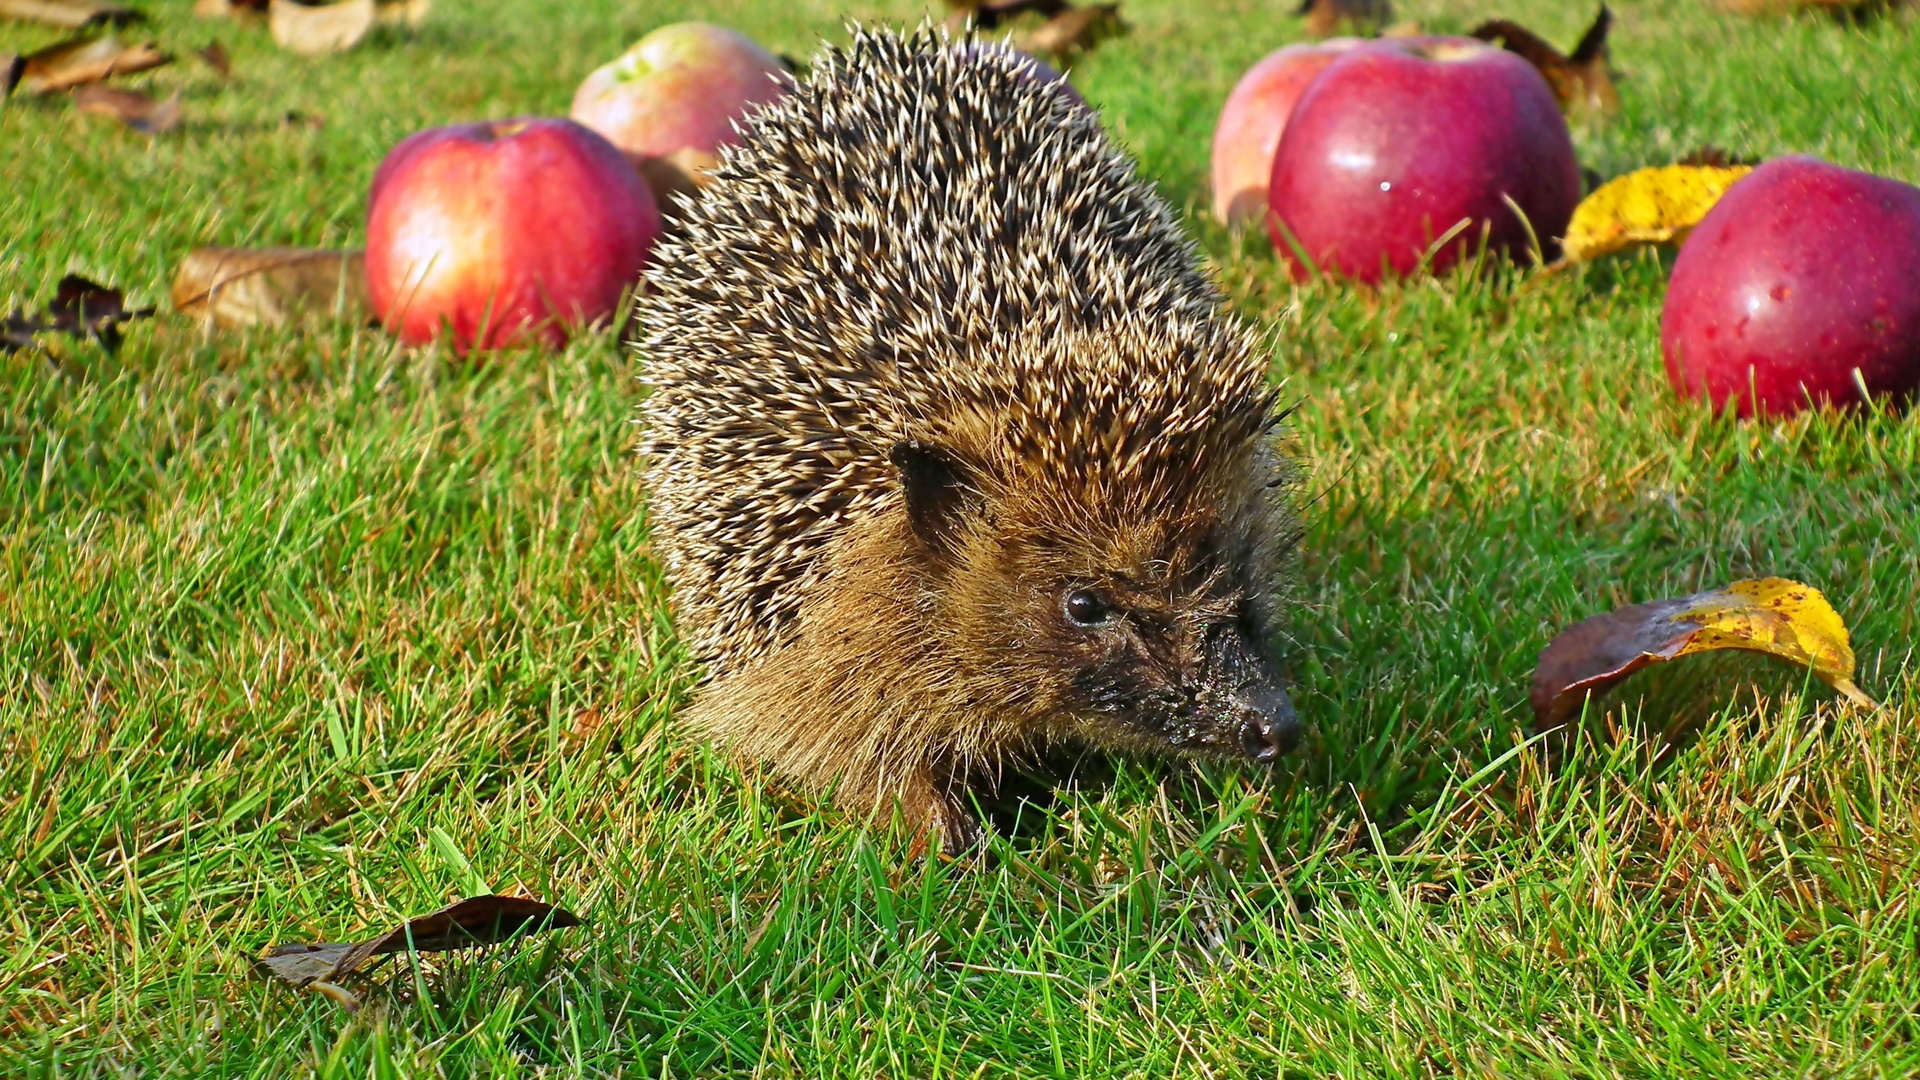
867	264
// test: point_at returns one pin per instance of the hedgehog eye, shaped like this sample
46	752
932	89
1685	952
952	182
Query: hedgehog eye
1086	608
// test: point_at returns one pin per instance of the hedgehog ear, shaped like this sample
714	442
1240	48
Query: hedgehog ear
939	494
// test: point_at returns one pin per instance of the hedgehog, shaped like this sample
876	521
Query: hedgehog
954	453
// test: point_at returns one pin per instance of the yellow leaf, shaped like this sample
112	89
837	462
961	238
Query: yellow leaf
1778	617
1782	618
1647	206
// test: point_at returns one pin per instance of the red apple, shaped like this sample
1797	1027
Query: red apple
1801	286
504	230
671	100
1251	122
1402	139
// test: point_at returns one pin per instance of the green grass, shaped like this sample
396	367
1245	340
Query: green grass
301	633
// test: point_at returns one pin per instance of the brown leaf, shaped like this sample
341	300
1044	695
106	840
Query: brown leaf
1713	157
1326	18
408	13
82	60
471	923
215	54
318	30
80	307
1843	10
242	10
1075	30
476	921
989	14
18	330
303	964
70	14
683	172
131	107
1776	616
81	302
270	286
1581	81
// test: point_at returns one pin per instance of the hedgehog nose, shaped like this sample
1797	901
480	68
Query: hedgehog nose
1268	726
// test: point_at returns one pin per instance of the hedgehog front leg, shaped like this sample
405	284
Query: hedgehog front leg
936	811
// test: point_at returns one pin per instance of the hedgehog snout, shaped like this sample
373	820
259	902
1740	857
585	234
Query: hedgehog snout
1268	725
1246	706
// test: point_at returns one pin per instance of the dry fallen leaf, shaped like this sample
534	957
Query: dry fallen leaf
1326	18
270	286
683	172
242	10
303	964
82	60
468	924
79	307
1858	10
1075	30
990	14
70	14
1648	206
317	30
215	54
409	13
1580	80
1714	156
1775	616
131	107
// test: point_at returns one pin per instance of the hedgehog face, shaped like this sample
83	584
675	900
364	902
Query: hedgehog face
1153	663
1137	635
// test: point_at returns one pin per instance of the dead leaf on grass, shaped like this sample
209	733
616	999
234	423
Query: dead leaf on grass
1844	10
1580	80
1325	18
317	30
240	10
1775	616
1074	31
1715	157
408	13
215	54
131	107
70	14
683	172
270	286
80	307
303	964
990	14
1658	205
468	924
82	60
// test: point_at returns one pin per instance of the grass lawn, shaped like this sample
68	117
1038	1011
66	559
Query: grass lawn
302	633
